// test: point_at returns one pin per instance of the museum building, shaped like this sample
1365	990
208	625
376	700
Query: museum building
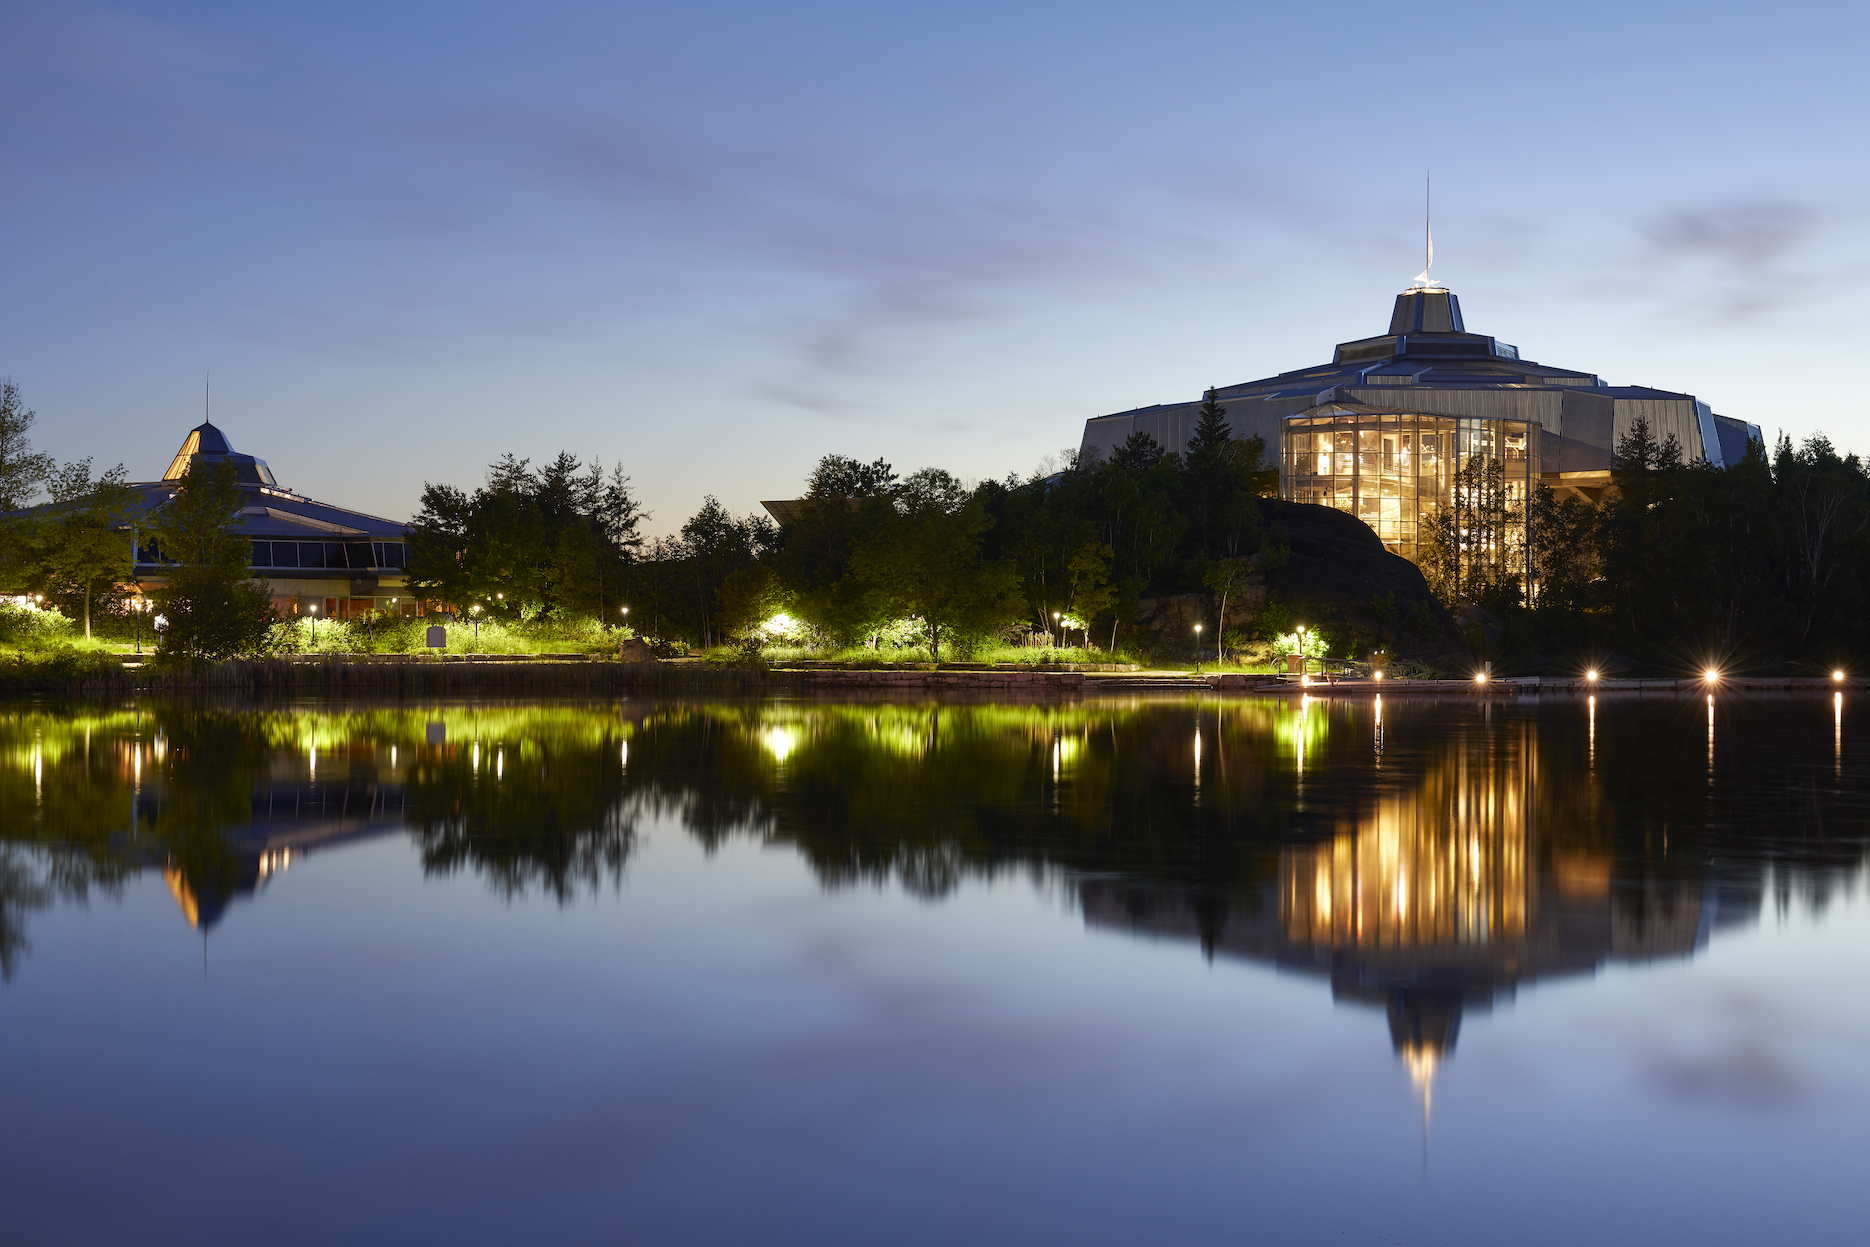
320	560
1381	429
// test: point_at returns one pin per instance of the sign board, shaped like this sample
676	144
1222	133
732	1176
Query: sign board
438	637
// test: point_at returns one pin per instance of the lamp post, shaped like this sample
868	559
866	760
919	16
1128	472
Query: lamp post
1197	649
474	610
1301	635
1057	627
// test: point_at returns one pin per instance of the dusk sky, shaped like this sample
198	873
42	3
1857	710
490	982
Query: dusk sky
717	241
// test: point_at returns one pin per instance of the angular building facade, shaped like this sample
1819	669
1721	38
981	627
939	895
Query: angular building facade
1381	429
320	560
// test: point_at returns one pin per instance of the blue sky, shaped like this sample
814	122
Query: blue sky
716	241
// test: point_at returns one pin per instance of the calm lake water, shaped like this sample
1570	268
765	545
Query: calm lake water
1231	971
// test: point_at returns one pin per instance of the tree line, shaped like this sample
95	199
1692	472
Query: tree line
1753	564
866	556
1759	562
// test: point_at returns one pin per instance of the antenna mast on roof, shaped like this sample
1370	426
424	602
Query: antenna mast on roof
1423	281
207	381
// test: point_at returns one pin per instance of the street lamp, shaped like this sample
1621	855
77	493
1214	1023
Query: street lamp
1710	676
474	610
1301	635
1838	675
1197	649
1591	675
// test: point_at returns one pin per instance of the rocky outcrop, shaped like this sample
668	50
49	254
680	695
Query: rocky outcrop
635	650
1169	622
1338	576
1335	574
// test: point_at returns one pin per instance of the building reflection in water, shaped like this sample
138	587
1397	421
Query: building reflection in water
1440	894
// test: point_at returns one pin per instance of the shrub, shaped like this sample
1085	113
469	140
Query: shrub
55	669
212	615
31	627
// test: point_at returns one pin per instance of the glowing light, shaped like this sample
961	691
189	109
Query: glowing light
1837	675
780	742
1710	675
1591	675
1480	677
1376	675
781	624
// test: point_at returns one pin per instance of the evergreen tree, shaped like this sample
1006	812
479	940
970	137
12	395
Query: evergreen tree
21	470
1211	435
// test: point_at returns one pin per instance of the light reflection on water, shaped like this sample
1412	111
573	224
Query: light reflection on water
1424	860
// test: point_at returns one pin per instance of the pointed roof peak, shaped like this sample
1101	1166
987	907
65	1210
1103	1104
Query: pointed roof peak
209	444
211	440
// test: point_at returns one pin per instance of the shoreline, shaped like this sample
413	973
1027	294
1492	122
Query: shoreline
583	673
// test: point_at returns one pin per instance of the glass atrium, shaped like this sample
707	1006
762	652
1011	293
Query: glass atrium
1392	468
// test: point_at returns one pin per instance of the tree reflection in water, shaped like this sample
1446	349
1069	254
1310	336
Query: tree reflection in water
1425	858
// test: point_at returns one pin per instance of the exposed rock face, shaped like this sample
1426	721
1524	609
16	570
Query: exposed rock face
1479	624
635	650
1340	578
1170	621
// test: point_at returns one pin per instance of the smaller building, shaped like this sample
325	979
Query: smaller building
320	559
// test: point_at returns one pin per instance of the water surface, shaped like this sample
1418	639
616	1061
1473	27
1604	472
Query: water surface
1221	970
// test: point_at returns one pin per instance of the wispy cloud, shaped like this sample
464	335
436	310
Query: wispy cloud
1744	253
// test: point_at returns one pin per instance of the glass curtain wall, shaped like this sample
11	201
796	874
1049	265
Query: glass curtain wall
1392	469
